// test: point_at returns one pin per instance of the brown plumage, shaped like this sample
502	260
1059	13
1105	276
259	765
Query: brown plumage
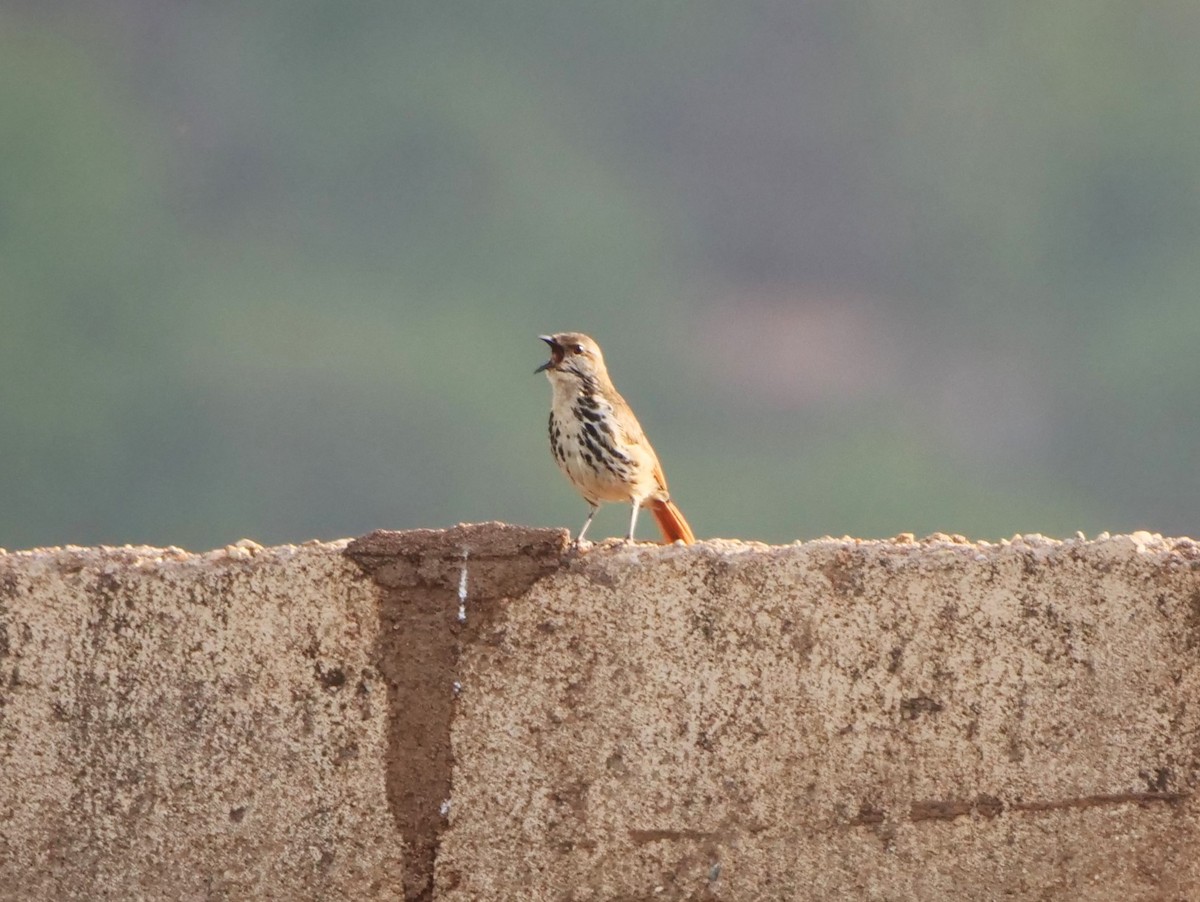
597	441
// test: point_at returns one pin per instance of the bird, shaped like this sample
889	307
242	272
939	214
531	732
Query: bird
597	441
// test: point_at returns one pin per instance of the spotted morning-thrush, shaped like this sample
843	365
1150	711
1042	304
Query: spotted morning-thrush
597	441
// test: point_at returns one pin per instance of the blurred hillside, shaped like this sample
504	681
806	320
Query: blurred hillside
277	270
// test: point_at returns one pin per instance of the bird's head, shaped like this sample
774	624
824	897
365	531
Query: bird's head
573	358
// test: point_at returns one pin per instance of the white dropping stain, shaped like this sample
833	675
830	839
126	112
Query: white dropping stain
445	808
457	687
462	588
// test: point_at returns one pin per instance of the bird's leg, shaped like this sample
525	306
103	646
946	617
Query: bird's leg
633	519
587	523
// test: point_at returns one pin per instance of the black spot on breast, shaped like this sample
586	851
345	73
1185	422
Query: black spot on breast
603	455
602	436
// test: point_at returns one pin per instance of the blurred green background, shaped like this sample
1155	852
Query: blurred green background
276	270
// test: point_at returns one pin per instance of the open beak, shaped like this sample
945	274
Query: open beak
556	354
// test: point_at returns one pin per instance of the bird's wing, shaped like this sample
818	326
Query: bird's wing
633	437
627	424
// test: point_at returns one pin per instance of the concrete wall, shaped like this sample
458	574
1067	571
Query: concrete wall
480	713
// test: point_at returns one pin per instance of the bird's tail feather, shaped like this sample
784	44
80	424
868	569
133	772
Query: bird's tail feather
674	527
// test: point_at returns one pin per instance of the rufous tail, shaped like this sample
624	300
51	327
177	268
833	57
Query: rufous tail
670	521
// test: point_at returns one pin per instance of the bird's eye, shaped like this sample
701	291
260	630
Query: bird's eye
578	349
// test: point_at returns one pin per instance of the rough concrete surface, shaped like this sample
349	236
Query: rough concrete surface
179	726
836	720
484	713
